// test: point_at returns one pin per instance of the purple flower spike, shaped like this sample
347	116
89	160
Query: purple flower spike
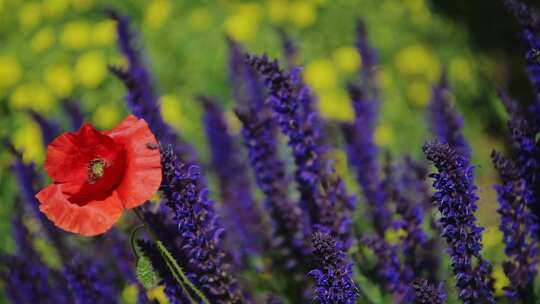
362	154
322	195
247	89
201	234
445	122
456	199
242	214
287	236
519	228
334	282
425	293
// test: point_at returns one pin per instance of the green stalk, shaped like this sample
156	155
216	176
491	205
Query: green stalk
177	270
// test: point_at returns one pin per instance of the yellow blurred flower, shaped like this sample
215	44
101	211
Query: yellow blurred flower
199	18
419	11
10	71
347	59
384	135
277	10
42	40
233	123
492	237
335	105
91	69
129	294
418	61
157	13
60	79
27	139
75	34
53	8
158	293
119	60
82	5
419	93
171	110
243	24
106	116
303	13
460	69
501	280
34	96
104	33
29	14
321	75
393	236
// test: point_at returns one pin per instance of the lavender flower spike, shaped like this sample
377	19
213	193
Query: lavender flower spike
520	230
362	154
242	214
324	199
445	122
287	230
334	282
200	232
361	148
141	96
248	91
425	293
456	199
530	23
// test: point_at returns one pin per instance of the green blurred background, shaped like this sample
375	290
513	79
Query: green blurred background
56	49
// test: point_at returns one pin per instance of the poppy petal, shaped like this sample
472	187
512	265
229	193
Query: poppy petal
68	155
142	176
91	219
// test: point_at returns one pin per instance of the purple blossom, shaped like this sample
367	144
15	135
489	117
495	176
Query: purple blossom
28	180
361	148
426	293
322	195
247	89
87	282
389	268
242	214
417	204
456	199
334	282
290	50
201	234
362	154
370	63
445	122
519	228
142	98
411	214
26	281
292	255
269	171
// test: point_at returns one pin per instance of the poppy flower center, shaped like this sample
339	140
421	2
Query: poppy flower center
96	168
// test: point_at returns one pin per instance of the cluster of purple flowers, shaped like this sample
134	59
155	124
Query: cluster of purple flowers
306	247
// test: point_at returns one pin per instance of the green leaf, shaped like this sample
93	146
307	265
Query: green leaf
146	273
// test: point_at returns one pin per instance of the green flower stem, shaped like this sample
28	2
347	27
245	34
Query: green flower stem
174	267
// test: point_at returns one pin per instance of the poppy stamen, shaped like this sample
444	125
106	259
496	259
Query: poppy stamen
96	169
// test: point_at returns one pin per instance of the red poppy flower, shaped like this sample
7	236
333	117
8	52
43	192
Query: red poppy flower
99	174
